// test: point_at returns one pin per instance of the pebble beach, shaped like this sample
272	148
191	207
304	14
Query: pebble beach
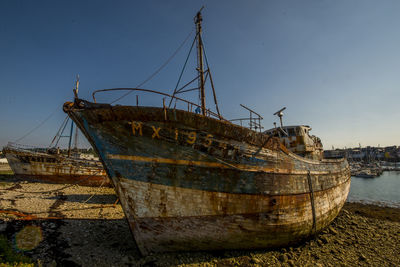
72	225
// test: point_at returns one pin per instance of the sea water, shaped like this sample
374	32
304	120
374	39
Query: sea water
383	190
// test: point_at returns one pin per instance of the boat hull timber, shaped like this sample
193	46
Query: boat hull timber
190	182
55	168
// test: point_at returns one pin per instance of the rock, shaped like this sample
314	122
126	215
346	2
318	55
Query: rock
332	230
3	226
126	259
362	257
283	258
339	242
254	260
324	239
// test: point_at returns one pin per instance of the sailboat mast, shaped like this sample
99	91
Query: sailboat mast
75	90
200	67
76	140
70	138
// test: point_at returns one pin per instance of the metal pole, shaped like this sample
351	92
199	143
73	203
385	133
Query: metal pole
200	68
70	138
76	140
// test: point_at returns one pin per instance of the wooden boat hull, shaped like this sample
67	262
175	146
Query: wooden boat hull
253	222
55	168
189	182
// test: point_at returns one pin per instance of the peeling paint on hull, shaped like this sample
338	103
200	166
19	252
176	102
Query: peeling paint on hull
189	182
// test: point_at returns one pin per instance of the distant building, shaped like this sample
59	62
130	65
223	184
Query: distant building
390	153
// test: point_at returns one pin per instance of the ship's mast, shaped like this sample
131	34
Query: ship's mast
200	67
72	123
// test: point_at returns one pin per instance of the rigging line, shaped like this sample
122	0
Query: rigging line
188	90
211	81
59	132
158	70
207	74
62	132
37	127
183	69
180	89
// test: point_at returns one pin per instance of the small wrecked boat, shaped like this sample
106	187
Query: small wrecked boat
55	165
49	166
192	180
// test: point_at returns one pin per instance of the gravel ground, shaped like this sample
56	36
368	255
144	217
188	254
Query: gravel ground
4	168
72	225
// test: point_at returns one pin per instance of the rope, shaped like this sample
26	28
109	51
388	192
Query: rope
314	226
104	180
60	131
37	127
158	70
30	217
27	217
261	147
183	69
55	190
211	80
219	160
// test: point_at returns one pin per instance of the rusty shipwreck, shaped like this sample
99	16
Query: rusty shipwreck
44	166
190	180
56	165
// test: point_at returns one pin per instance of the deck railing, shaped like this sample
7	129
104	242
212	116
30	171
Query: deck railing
22	147
190	105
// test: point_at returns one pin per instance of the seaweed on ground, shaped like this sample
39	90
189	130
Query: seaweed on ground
9	257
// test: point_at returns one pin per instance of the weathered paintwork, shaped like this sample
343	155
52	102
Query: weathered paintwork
56	168
190	182
298	140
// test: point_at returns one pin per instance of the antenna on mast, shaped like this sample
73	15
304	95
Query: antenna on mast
279	113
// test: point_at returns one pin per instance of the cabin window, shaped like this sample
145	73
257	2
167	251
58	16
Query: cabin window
291	132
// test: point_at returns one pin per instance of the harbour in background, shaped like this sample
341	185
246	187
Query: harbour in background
383	190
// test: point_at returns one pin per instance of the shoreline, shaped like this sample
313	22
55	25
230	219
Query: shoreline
82	226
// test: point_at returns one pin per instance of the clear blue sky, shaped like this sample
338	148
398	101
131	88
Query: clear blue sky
335	65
